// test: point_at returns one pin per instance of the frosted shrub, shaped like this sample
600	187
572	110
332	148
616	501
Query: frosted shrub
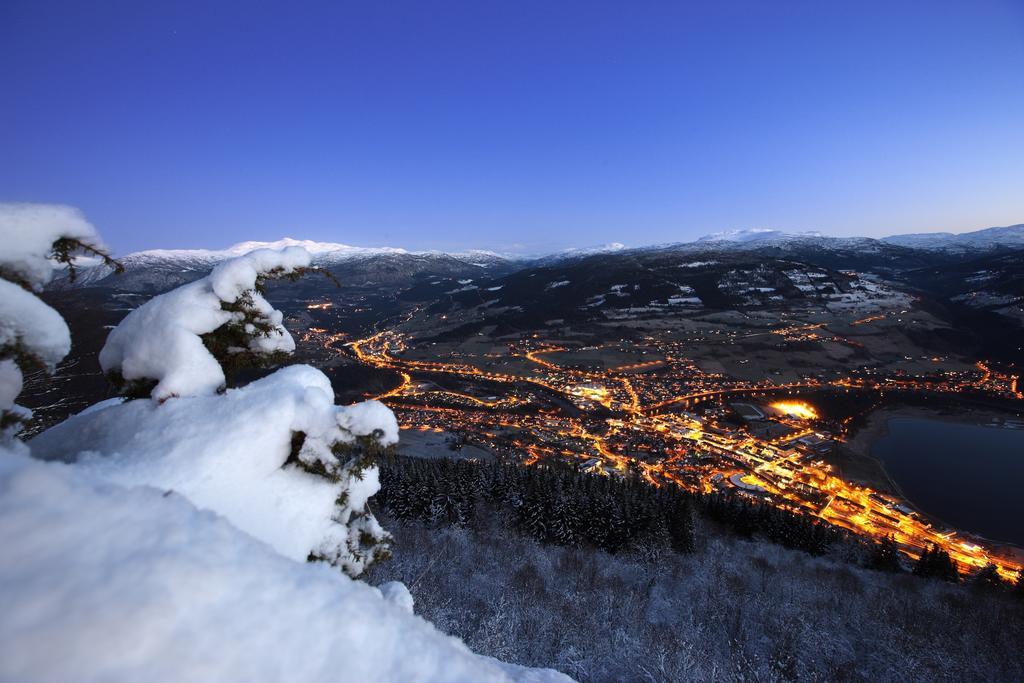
33	238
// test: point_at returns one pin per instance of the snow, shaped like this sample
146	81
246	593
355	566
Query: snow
1011	236
161	341
398	594
754	235
27	233
26	323
363	419
574	252
30	331
26	319
324	251
131	584
242	248
227	453
169	539
10	387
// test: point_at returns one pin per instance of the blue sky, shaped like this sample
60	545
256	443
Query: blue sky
515	126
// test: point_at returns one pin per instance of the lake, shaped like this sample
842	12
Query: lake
969	476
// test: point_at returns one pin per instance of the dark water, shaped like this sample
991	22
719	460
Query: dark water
969	476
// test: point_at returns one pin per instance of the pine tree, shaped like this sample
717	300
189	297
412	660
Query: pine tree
923	566
937	564
988	579
885	556
564	522
944	567
679	523
533	516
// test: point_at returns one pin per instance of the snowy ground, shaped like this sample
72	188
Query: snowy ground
104	583
430	444
733	611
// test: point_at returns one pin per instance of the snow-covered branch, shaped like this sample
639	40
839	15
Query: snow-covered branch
176	343
33	335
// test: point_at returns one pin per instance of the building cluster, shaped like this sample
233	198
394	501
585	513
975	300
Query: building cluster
665	420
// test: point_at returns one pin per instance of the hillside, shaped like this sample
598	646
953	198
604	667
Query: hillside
735	608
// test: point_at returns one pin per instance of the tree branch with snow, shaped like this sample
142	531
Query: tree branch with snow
35	239
281	436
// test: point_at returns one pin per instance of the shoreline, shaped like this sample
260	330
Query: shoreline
876	428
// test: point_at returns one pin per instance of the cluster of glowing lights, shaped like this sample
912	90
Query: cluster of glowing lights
593	393
856	508
797	409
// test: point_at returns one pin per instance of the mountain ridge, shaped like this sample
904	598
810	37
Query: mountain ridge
156	269
1010	235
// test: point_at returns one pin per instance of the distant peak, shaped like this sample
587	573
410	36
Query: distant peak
611	246
755	235
311	246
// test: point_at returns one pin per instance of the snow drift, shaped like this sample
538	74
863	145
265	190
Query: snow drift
105	583
229	453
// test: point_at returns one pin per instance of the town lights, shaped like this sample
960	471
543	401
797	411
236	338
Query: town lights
644	429
797	409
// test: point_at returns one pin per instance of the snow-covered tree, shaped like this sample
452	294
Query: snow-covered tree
276	456
178	343
33	239
173	347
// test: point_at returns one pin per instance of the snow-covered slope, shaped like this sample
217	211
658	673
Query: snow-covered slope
750	235
1011	236
762	238
105	583
334	249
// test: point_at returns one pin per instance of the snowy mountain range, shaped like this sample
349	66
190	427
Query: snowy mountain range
751	235
158	269
1011	236
988	239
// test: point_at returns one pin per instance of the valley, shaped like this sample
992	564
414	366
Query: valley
740	369
643	408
